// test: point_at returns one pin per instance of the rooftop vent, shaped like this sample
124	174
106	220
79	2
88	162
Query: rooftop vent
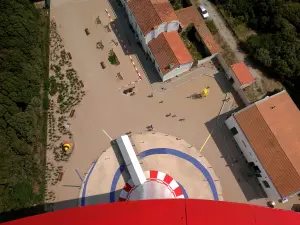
170	66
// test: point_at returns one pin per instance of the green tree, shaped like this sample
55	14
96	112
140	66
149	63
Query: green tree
21	70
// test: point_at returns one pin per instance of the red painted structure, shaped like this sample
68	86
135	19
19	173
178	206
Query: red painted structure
170	212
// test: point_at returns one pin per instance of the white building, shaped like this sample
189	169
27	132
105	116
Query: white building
268	133
169	54
241	76
156	25
149	18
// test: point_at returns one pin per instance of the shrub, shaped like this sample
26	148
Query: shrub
212	27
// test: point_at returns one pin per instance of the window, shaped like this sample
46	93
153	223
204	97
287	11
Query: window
257	175
244	143
266	184
256	169
251	164
234	131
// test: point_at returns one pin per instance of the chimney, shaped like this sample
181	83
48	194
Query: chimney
171	65
273	107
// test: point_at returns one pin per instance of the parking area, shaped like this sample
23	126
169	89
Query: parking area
106	112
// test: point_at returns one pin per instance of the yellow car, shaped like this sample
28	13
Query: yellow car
205	92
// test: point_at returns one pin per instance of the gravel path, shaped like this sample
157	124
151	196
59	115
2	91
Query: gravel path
227	35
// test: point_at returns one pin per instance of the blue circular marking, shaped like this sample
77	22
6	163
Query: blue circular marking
114	183
168	151
183	190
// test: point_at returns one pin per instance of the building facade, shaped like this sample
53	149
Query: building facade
251	158
267	132
150	20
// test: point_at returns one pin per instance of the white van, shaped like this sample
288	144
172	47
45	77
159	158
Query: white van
203	11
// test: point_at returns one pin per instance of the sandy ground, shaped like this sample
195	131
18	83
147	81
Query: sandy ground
106	108
194	182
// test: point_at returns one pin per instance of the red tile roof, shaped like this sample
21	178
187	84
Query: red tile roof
191	15
272	127
167	49
151	13
242	73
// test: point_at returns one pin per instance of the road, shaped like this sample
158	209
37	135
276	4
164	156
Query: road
227	35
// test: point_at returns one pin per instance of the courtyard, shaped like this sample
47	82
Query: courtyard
106	112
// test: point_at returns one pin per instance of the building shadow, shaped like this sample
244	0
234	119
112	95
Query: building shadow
296	207
129	43
116	150
234	158
50	207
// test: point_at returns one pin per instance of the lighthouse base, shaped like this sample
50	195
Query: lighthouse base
158	186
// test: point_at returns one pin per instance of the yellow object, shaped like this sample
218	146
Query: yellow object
67	146
205	92
206	141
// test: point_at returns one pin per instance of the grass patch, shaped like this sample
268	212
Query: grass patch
212	26
40	187
254	92
177	6
239	29
112	58
190	42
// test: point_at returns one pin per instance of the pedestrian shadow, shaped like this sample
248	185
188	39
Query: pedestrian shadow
234	158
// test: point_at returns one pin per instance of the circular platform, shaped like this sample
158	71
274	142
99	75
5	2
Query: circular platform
158	186
176	170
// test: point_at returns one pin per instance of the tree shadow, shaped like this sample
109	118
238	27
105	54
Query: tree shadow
234	158
296	207
50	207
72	203
130	44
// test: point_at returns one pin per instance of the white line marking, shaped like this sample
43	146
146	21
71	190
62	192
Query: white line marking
183	83
107	135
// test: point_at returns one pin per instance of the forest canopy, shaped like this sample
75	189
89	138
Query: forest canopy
21	70
277	45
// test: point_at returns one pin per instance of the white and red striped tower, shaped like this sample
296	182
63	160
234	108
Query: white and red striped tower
157	186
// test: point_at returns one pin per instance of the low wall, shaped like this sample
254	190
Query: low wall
201	61
229	74
243	97
226	68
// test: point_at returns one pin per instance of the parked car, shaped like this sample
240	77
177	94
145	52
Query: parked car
203	11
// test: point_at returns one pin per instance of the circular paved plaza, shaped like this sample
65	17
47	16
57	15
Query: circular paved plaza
173	169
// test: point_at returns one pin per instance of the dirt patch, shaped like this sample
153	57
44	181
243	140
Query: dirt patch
270	85
36	188
227	53
254	92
